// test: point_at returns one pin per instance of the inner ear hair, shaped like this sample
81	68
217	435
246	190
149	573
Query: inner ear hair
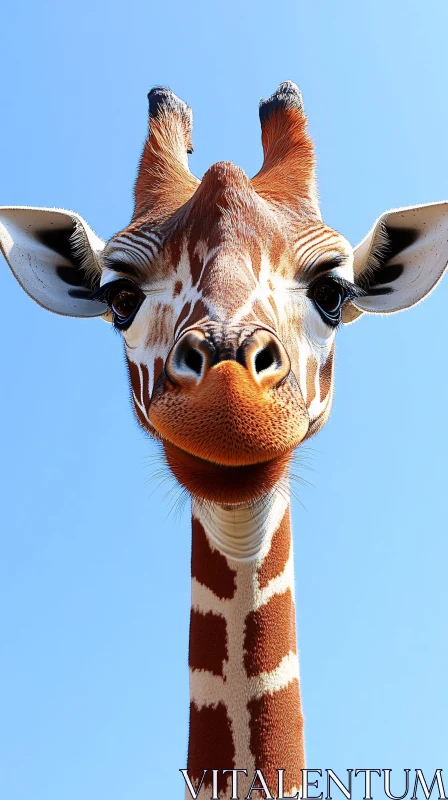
85	256
71	244
388	242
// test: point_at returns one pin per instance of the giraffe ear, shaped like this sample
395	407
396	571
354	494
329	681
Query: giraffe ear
54	255
401	260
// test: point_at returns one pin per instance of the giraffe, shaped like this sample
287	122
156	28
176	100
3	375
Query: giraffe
228	293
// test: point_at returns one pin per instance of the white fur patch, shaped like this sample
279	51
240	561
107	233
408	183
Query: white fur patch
241	532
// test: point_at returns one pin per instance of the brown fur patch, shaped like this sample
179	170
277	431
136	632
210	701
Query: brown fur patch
311	370
173	247
270	634
326	375
255	257
277	247
211	744
145	387
274	307
276	736
260	314
134	374
208	642
195	264
199	312
210	567
183	315
158	369
275	561
317	239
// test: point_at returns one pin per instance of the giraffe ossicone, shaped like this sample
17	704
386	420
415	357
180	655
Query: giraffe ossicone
228	293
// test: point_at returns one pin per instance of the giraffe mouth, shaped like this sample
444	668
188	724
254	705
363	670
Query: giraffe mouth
225	484
229	419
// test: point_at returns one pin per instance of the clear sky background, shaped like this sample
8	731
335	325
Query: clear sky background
94	576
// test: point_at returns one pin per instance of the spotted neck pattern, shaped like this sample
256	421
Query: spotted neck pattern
245	710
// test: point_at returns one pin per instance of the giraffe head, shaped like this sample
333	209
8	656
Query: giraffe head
228	293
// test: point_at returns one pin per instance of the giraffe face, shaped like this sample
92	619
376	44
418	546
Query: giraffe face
228	293
230	343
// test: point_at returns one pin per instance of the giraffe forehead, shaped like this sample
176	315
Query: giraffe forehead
253	276
237	246
224	222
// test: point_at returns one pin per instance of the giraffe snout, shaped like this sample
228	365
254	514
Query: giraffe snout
260	353
229	399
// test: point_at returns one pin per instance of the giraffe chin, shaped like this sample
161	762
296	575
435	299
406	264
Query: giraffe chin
225	484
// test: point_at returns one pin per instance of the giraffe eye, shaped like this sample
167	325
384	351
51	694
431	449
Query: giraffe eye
328	296
124	298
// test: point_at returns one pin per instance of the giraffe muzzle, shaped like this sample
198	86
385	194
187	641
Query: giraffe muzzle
231	401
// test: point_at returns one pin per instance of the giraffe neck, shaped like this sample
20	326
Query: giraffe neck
245	709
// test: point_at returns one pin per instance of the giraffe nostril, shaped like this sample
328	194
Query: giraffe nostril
189	359
193	360
265	358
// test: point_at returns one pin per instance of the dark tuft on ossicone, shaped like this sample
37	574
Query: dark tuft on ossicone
288	95
161	97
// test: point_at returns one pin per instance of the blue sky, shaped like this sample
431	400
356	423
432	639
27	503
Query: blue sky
94	576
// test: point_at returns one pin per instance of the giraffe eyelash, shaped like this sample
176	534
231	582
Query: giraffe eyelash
103	293
352	290
330	308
